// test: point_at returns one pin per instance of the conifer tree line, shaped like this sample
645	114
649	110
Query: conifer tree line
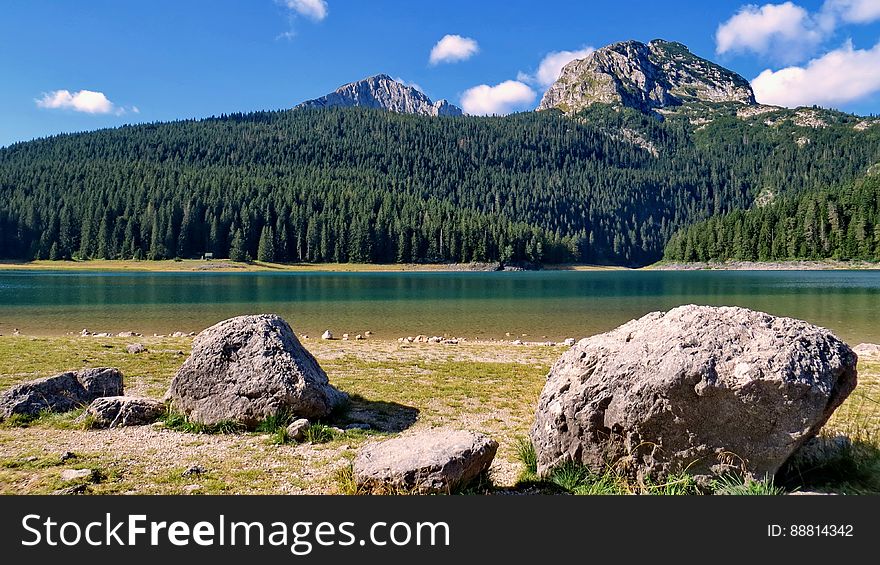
842	224
356	185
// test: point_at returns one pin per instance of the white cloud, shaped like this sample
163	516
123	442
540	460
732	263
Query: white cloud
786	31
551	66
453	48
840	76
312	9
853	11
500	99
87	101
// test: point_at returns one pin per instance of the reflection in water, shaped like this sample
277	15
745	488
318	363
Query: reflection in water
553	304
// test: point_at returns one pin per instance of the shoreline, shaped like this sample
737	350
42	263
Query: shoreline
828	265
226	266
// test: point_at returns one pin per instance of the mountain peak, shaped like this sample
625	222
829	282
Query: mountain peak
382	91
659	74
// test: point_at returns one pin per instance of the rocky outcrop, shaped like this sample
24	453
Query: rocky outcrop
383	92
60	393
432	461
121	411
661	74
697	389
247	369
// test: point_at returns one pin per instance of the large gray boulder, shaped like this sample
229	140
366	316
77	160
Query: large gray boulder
60	393
120	411
247	369
697	389
433	461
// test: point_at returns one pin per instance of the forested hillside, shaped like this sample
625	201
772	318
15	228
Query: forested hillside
841	223
352	184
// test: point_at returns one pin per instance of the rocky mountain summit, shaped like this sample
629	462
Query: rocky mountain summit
659	76
382	91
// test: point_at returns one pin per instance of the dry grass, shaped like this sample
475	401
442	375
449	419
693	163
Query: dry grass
487	387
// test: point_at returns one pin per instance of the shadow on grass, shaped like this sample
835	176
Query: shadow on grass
382	416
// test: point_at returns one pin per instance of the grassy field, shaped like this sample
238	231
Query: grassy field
492	388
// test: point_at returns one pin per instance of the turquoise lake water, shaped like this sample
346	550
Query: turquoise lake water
555	304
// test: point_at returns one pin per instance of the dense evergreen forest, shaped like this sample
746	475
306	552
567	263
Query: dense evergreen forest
356	185
842	223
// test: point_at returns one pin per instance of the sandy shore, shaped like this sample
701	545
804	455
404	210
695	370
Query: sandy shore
765	266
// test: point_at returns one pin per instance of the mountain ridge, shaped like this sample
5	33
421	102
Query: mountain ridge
383	92
648	77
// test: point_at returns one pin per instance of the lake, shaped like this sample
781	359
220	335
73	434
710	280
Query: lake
555	304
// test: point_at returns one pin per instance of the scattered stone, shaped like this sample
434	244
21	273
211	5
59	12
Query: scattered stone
85	332
432	461
189	489
517	342
327	335
410	339
178	334
569	341
401	339
304	336
135	348
368	333
66	456
60	393
344	337
68	475
16	331
194	471
121	411
358	426
247	369
297	429
33	458
453	341
358	337
125	334
103	334
697	389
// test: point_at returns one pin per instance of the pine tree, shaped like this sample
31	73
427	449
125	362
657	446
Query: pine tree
266	248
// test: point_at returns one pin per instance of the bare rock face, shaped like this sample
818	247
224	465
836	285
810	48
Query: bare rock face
247	369
660	74
433	461
60	393
382	91
120	411
697	389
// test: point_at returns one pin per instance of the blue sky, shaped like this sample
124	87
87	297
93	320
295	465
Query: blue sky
88	64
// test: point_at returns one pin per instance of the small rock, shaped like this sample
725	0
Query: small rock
569	341
125	334
189	489
33	458
135	348
410	339
517	342
297	429
344	337
304	336
368	333
401	339
195	470
432	461
121	411
103	334
68	475
452	341
327	335
178	334
358	337
85	332
66	456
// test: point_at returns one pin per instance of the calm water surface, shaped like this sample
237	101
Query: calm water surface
555	304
